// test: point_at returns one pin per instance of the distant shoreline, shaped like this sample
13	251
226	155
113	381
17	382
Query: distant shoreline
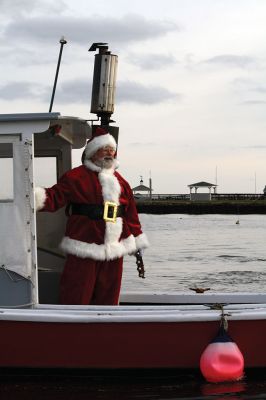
201	207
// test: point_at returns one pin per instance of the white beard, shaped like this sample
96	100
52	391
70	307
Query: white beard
105	162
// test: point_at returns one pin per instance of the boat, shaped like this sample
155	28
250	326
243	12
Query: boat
148	330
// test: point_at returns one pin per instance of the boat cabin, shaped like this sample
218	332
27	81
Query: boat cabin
30	260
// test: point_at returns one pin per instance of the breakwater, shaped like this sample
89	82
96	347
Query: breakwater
201	207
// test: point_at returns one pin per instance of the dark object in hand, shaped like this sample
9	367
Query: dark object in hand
140	264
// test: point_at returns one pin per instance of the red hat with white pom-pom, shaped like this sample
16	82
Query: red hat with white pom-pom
100	138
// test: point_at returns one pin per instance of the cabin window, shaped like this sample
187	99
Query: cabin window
45	171
7	171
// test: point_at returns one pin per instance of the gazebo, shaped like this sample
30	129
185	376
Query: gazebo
201	196
142	188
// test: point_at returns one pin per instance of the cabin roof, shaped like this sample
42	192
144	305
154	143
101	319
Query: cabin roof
74	130
28	117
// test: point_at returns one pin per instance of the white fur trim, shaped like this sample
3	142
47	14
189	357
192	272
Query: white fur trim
111	192
90	165
129	244
113	231
83	249
110	186
40	197
142	241
99	142
99	252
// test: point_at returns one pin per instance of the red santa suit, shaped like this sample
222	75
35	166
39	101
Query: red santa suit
94	248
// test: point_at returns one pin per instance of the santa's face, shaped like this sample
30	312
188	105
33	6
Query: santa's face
104	157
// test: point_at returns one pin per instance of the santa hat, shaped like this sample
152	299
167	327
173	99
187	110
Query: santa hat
100	138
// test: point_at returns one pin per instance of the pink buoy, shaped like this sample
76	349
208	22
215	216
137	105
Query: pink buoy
222	361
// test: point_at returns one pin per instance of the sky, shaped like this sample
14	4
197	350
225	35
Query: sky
191	82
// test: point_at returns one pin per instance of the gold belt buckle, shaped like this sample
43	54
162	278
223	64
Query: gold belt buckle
109	207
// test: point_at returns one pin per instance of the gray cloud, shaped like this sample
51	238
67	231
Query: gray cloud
17	8
231	60
134	92
242	83
257	147
152	61
26	57
20	34
14	47
259	89
9	8
127	92
254	93
79	92
75	91
20	90
127	29
253	102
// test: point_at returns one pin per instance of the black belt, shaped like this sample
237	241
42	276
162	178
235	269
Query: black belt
95	211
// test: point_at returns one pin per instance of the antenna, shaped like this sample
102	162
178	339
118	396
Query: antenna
62	42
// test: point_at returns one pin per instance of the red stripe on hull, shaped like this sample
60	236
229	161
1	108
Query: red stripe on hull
122	345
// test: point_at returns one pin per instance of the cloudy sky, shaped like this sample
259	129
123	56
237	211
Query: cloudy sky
191	88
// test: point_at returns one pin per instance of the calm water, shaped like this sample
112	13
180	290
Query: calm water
201	250
115	386
186	251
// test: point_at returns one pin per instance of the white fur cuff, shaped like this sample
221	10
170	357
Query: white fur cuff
142	241
40	197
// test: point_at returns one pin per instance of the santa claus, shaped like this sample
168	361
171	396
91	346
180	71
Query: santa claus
102	226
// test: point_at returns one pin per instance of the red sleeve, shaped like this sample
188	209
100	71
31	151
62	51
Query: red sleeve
51	199
131	214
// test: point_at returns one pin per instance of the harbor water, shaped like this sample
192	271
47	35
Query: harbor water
224	253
